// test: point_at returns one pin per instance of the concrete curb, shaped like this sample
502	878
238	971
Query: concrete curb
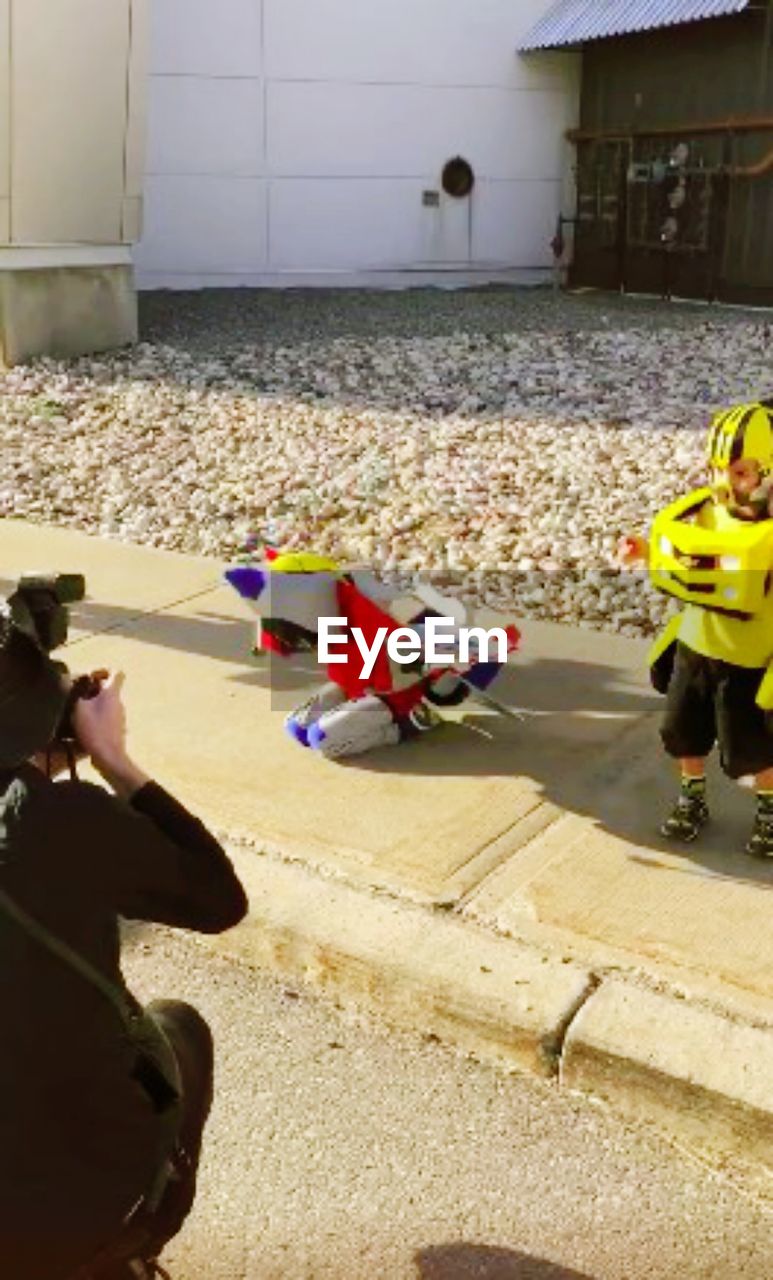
706	1078
420	969
702	1077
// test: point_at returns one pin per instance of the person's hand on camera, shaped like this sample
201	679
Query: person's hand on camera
100	722
100	728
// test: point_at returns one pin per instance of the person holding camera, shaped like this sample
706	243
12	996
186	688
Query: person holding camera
102	1103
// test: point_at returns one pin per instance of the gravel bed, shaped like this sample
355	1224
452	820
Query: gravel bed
507	437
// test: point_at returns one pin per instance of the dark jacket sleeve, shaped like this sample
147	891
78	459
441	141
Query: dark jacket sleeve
152	860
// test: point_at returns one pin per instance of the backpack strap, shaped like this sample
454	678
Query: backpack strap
62	951
157	1069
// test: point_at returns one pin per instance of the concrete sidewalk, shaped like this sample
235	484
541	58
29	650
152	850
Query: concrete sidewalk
499	883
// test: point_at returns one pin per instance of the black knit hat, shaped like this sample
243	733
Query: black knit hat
32	694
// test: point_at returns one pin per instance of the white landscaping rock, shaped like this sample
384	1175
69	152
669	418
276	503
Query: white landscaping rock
520	454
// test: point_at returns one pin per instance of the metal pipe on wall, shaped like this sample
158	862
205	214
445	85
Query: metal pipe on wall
758	170
733	124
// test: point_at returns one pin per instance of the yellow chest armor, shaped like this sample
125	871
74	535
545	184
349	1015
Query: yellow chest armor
702	555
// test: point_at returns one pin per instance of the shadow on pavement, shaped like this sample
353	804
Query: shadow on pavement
588	737
487	1262
590	741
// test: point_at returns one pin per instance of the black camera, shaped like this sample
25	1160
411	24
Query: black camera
39	606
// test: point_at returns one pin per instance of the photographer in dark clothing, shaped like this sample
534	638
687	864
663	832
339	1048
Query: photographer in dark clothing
99	1140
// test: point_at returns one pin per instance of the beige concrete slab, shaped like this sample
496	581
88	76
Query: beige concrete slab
609	883
212	727
427	819
122	580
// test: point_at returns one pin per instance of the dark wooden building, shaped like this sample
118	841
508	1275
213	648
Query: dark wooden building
674	151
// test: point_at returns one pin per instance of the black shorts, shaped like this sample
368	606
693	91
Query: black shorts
710	701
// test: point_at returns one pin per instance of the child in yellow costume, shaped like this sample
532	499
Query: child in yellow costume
713	549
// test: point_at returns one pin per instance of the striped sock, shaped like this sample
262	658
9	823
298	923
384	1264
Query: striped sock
694	788
765	801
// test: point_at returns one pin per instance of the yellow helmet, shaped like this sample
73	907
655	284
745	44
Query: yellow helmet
302	562
745	431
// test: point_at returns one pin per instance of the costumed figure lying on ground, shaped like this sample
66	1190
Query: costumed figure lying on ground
362	705
713	550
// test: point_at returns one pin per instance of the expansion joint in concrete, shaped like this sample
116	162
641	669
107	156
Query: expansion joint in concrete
554	1046
156	610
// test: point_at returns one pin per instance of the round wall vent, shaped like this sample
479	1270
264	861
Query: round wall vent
458	178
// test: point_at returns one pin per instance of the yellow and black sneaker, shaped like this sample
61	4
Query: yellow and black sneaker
690	813
760	843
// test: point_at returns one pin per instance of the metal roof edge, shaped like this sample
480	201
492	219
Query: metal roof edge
570	24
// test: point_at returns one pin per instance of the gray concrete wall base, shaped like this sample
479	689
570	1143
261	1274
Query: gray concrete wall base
65	311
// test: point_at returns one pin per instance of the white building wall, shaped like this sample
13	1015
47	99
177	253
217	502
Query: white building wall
292	140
